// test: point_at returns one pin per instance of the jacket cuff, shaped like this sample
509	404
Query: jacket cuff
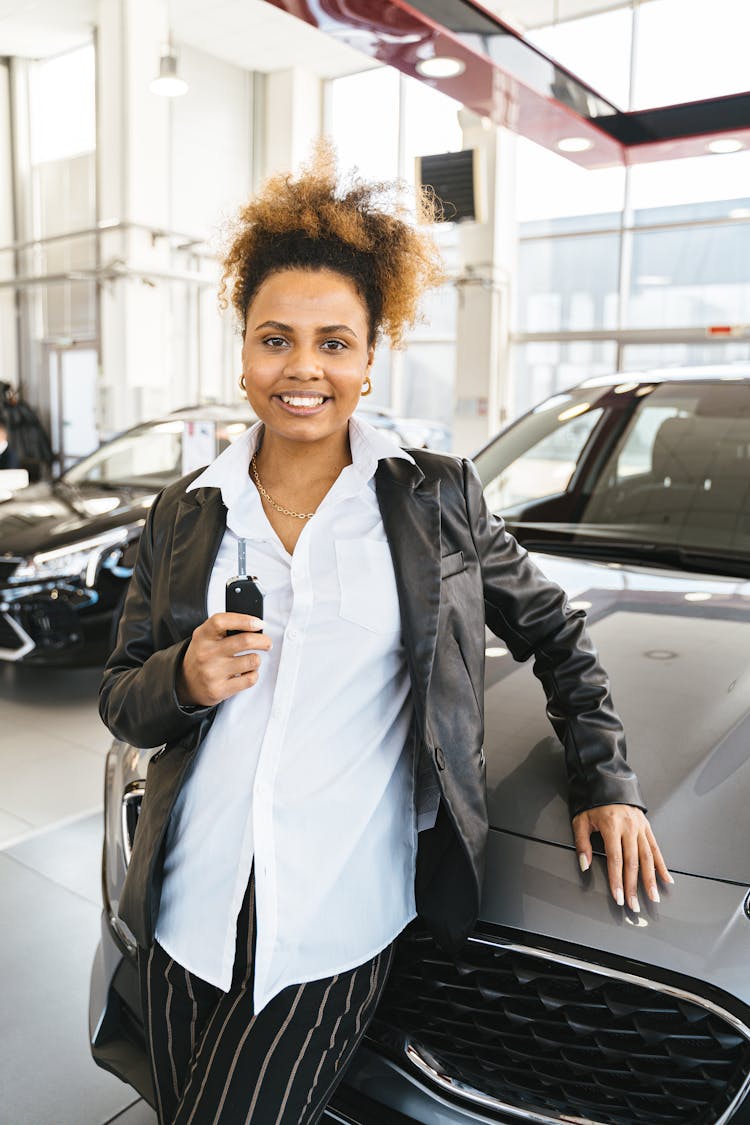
605	791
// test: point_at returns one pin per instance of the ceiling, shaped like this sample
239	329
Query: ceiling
249	33
507	78
528	14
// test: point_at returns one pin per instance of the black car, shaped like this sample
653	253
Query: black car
67	548
634	494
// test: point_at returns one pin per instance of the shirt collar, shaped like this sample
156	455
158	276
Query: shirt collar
229	472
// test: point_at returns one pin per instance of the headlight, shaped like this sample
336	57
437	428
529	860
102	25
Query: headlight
80	561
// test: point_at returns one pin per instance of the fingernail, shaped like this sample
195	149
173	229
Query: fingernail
654	895
619	897
635	905
669	878
584	862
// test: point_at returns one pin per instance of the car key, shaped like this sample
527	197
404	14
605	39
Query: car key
244	594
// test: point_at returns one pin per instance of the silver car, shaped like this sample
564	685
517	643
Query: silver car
634	493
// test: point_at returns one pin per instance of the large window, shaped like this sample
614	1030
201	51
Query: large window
543	368
412	120
62	143
649	52
688	50
642	260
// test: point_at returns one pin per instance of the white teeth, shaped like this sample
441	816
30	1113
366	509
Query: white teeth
302	400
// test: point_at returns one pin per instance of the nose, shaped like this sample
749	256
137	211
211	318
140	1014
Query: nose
303	362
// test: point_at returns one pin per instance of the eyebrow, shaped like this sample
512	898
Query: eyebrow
325	330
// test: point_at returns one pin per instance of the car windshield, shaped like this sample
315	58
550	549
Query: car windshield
663	465
154	455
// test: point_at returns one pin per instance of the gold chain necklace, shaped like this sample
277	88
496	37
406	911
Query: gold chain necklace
270	499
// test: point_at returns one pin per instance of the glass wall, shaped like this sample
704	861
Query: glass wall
652	52
641	260
412	120
63	189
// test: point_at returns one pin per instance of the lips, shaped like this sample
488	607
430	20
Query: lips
303	399
302	402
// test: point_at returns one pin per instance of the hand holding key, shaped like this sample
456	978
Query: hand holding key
222	658
212	670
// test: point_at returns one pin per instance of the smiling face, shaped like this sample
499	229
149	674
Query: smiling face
306	354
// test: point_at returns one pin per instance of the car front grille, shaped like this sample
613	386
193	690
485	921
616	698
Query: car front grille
10	639
518	1030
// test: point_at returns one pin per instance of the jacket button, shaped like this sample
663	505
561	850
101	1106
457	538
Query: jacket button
439	758
482	761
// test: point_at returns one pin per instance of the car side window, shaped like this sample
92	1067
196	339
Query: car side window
150	455
636	453
544	469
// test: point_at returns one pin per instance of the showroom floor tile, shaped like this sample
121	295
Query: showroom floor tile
52	744
52	747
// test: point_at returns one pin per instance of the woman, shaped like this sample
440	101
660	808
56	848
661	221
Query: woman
322	780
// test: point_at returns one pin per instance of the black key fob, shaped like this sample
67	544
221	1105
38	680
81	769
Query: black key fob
244	595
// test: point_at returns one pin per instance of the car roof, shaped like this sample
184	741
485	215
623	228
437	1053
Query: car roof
719	373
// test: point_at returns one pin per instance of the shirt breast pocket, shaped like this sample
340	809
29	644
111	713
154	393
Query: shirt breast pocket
369	596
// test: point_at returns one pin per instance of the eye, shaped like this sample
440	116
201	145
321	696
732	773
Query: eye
334	345
274	341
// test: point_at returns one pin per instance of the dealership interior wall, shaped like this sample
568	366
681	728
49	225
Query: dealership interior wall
113	202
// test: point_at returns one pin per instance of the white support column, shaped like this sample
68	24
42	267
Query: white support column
133	164
294	118
8	334
487	268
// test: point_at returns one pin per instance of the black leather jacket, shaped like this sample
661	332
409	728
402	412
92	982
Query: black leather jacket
457	568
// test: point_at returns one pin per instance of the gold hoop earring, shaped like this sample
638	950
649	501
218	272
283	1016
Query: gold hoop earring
367	383
242	383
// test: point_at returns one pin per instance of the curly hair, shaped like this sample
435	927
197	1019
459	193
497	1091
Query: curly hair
321	220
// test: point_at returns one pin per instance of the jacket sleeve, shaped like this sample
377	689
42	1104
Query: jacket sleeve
138	698
531	615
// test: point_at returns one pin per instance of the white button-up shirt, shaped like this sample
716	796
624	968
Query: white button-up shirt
310	772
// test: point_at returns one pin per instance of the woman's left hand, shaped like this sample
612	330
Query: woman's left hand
630	846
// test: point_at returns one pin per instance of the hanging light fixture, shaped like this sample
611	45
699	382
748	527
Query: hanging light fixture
168	84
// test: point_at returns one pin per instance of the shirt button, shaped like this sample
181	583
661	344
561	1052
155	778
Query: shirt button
292	634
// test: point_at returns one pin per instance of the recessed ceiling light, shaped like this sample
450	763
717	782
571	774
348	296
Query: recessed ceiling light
652	279
698	596
625	388
493	651
441	66
740	213
575	144
725	144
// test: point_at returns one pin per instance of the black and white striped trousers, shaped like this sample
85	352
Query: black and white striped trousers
215	1063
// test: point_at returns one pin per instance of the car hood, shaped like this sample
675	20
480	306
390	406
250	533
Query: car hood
675	646
45	516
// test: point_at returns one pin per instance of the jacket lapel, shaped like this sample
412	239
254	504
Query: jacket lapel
200	523
410	509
